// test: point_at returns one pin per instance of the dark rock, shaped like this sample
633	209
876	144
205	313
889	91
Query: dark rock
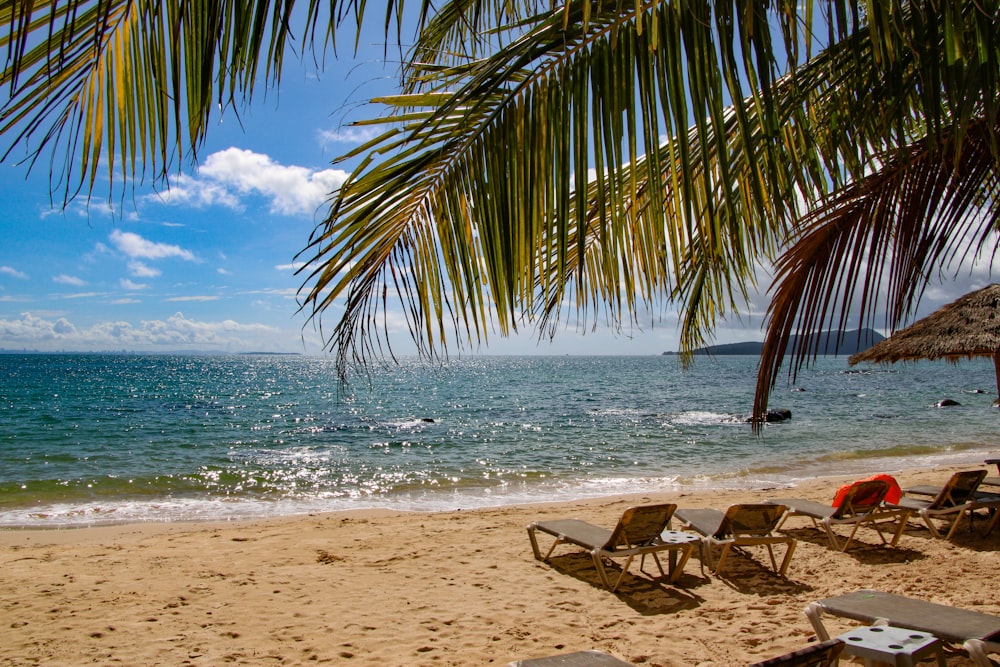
773	416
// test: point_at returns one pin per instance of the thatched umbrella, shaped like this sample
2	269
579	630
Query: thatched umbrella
966	328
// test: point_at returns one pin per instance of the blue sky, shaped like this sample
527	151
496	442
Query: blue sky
207	264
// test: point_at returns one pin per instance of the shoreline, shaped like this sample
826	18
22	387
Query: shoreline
186	510
459	587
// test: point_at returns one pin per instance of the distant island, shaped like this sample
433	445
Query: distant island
850	343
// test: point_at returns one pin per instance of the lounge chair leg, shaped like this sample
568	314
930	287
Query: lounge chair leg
977	651
958	520
903	520
705	556
850	537
788	557
814	612
679	567
621	575
722	557
770	552
534	542
930	524
993	522
832	537
601	571
656	559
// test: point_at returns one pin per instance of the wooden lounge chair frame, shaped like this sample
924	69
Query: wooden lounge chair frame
976	632
862	505
742	525
820	654
641	531
953	501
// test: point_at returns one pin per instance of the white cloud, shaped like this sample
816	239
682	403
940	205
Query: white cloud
64	279
135	246
10	271
190	191
193	298
349	135
222	272
287	292
142	270
132	286
227	177
173	333
294	266
34	329
82	295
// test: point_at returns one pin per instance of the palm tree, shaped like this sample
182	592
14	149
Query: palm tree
550	164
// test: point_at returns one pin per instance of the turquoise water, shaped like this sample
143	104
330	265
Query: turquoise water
88	439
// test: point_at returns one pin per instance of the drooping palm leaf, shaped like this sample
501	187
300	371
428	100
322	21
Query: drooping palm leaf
878	242
132	81
135	82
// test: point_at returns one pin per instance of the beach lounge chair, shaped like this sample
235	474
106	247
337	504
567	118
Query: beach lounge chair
577	659
861	504
641	531
976	632
992	481
820	654
957	498
741	525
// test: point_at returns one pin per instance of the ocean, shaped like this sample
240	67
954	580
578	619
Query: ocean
90	439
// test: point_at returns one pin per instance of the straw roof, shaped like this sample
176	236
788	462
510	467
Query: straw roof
966	328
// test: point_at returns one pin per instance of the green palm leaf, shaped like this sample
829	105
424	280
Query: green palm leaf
132	81
496	180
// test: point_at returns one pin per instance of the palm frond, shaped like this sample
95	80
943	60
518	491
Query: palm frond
878	243
132	81
497	172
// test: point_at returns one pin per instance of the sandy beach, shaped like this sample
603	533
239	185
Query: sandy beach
450	588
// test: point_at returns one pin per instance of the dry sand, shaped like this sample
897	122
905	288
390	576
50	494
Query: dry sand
453	588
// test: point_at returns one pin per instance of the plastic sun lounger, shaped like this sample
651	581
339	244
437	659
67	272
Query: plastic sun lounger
862	505
992	481
976	632
820	654
577	659
742	525
950	502
641	531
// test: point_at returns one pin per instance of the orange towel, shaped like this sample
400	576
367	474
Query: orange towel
892	497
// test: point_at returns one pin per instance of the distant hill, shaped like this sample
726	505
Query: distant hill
850	343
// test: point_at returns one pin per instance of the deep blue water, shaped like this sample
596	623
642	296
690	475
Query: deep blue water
90	439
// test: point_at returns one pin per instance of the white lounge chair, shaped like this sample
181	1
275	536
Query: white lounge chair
976	632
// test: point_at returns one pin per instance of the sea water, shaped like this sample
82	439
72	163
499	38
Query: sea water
95	439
